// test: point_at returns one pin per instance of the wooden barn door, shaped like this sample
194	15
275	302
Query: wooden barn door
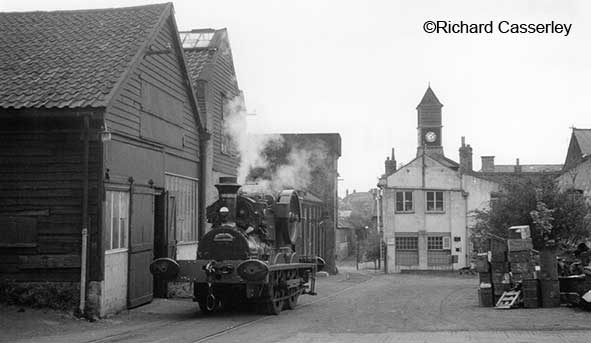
141	245
164	235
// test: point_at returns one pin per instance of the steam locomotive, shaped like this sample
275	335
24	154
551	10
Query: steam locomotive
249	255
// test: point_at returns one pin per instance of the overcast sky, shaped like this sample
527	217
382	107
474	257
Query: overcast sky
360	68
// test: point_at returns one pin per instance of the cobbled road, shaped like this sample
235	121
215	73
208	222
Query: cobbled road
350	307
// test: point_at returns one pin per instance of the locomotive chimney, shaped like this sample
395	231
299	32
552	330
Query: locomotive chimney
228	190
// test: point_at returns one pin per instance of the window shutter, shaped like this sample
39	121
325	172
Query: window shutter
446	244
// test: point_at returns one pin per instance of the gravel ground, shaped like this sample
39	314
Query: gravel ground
353	306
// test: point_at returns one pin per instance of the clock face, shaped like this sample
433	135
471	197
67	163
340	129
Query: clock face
430	136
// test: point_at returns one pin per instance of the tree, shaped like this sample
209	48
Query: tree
552	215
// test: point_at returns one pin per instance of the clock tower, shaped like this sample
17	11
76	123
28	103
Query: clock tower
429	124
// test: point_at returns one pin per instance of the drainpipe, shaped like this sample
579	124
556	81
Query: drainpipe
83	253
204	142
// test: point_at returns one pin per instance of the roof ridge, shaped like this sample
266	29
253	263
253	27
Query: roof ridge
88	10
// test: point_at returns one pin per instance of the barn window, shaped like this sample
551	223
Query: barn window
434	201
404	202
117	220
229	108
225	143
184	191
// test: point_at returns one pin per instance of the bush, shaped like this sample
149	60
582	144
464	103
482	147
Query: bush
55	295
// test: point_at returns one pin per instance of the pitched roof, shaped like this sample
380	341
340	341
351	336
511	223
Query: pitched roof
196	61
443	160
70	58
583	137
429	99
200	46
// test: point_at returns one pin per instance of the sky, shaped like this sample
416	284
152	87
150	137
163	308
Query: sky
359	68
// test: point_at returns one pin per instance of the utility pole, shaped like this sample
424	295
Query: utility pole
379	193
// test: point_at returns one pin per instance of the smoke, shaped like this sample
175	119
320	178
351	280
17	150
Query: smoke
272	161
248	147
298	168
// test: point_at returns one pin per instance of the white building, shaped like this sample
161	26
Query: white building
427	204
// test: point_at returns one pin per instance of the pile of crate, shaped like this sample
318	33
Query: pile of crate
493	272
549	284
513	262
522	263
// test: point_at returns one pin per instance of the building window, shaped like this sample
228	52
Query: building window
227	109
184	191
225	142
438	243
407	243
434	201
404	202
117	219
435	243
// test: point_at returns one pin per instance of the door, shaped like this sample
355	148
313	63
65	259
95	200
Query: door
115	230
164	235
141	247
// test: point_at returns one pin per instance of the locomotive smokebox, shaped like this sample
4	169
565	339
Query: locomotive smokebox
228	191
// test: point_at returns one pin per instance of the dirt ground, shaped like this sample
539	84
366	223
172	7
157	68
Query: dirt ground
356	306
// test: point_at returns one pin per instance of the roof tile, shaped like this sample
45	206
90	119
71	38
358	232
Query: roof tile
69	58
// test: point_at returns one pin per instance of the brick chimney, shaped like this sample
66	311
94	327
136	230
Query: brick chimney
390	164
465	156
517	168
488	164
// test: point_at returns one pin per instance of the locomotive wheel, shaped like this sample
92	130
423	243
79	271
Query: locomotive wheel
275	306
292	301
294	293
205	310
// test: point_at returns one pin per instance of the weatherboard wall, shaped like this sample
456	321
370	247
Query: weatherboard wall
41	187
153	124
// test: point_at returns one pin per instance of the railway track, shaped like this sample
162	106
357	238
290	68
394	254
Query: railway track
141	334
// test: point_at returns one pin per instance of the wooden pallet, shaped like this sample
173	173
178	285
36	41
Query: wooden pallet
508	299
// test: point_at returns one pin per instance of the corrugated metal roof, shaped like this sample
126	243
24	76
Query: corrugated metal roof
69	58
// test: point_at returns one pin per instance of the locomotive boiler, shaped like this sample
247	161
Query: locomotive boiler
249	254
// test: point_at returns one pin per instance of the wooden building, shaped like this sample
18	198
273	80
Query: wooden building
100	135
210	63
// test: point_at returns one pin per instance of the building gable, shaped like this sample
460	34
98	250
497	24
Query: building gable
210	63
578	148
437	175
156	101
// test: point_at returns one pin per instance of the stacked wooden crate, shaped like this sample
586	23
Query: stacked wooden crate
522	260
485	290
499	266
549	284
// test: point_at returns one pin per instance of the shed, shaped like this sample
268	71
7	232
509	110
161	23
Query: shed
100	135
